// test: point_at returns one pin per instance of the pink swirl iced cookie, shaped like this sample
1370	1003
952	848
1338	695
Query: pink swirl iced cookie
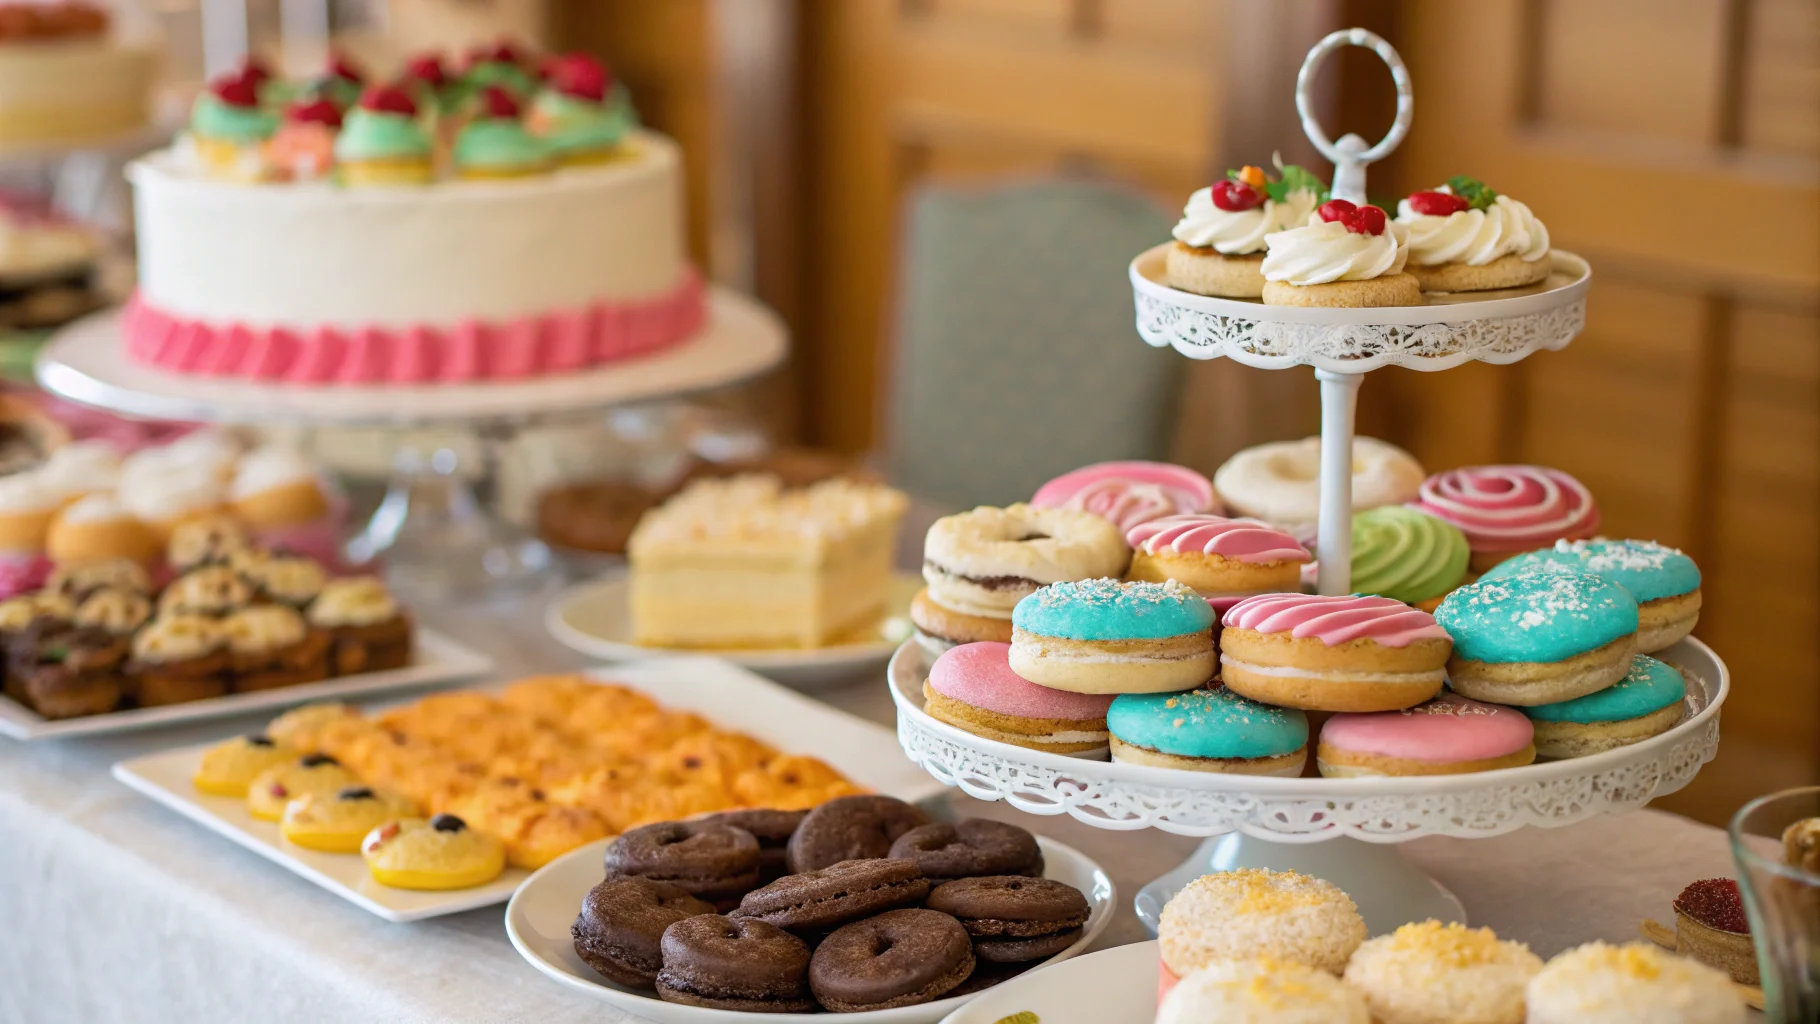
972	687
1322	653
1129	493
1445	736
1220	557
1507	510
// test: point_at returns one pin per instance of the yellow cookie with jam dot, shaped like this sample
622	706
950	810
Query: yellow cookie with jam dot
278	785
440	853
228	769
337	822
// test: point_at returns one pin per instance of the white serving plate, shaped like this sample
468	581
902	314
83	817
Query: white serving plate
1112	986
593	618
538	919
437	659
723	693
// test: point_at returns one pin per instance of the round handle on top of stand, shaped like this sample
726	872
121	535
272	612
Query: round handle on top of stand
1304	102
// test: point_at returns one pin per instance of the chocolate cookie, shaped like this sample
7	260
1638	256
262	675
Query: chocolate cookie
717	863
772	829
851	828
830	896
725	964
969	849
1012	918
621	926
899	958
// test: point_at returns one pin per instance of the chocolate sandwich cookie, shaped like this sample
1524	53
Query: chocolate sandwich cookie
851	828
772	829
717	863
1014	919
749	966
620	929
976	846
824	898
899	958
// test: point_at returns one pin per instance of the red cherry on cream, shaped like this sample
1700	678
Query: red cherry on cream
236	90
582	76
314	112
1235	196
1437	204
341	67
501	52
426	68
1366	220
255	69
1335	209
388	99
498	103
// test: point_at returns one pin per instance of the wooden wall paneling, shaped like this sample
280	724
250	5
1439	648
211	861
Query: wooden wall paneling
1780	87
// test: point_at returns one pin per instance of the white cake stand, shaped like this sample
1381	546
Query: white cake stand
1344	830
436	539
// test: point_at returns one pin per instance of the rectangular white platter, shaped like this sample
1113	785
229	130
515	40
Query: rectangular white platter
725	694
437	659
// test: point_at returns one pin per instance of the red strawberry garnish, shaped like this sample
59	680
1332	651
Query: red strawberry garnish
314	112
388	99
427	68
1234	196
255	69
578	74
1437	204
1360	220
236	90
1335	209
502	52
342	68
498	102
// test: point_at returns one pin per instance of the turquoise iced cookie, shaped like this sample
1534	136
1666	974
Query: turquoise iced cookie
1650	571
1536	617
1649	687
1206	723
1111	610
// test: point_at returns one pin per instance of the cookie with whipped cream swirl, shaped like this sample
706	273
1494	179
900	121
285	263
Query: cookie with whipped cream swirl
1407	555
1465	237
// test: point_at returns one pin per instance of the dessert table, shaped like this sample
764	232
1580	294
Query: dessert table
118	910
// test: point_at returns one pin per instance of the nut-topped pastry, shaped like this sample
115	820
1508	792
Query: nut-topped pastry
370	632
211	590
271	646
116	611
62	670
285	579
77	582
179	658
1219	242
209	540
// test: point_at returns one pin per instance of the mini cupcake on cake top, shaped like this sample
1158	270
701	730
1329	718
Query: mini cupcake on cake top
582	113
1219	242
1464	237
341	81
303	147
382	142
497	64
1346	255
229	127
495	144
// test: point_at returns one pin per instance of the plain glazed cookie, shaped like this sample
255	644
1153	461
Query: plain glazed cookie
708	860
899	958
970	848
1262	991
859	827
1014	919
972	687
1104	636
1255	912
1332	653
1448	735
1434	973
1219	557
1507	510
227	769
728	964
815	901
1280	482
1208	730
278	785
441	853
1665	582
1129	493
337	822
1538	638
984	561
1648	701
1635	983
1407	555
620	929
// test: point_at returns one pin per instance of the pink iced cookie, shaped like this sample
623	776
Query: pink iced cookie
1332	653
1335	620
973	688
1506	510
1129	493
1445	736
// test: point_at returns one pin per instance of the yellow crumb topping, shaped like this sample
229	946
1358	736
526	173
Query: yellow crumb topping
1272	892
1452	945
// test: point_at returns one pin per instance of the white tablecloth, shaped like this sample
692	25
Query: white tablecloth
114	909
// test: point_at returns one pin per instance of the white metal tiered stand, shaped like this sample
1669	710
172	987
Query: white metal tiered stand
446	547
1343	830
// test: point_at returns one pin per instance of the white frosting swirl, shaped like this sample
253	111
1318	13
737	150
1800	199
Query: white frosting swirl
270	467
179	491
27	492
1323	251
1239	232
82	467
1474	237
96	508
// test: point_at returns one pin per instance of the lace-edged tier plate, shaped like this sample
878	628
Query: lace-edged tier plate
1495	326
1127	797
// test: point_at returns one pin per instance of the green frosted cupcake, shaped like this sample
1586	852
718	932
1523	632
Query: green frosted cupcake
382	143
583	114
496	145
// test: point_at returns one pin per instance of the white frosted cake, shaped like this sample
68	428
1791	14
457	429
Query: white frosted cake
63	80
416	241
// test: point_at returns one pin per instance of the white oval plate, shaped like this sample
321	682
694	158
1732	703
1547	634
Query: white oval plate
538	919
1113	986
592	618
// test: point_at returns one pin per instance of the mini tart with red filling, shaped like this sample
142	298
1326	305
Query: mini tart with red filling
1711	927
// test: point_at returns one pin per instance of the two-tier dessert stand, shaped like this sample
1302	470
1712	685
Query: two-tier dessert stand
1343	830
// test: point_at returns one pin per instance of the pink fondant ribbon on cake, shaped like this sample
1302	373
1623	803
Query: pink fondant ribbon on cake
1243	540
1335	619
470	351
1510	508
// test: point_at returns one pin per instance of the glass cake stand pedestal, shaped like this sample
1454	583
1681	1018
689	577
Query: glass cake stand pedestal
437	540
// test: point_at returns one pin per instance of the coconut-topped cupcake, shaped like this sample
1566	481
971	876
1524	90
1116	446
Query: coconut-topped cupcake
1635	983
1429	972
